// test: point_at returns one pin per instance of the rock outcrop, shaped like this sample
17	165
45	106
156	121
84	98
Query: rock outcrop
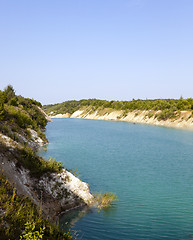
53	192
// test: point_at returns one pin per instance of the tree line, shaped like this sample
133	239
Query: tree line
155	105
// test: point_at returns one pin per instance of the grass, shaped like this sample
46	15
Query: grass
19	218
104	200
29	159
38	165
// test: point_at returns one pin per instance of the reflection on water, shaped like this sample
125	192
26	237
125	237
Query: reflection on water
149	168
69	218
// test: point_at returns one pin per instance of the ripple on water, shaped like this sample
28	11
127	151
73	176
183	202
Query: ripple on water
150	169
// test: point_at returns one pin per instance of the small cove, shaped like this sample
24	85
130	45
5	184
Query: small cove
150	169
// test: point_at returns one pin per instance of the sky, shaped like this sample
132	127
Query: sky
54	51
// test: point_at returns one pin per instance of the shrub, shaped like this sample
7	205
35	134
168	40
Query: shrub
21	220
150	114
105	200
2	112
166	114
23	119
9	92
36	164
31	232
13	101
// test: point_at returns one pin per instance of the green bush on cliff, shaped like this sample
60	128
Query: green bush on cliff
23	119
36	164
19	114
166	114
9	93
2	111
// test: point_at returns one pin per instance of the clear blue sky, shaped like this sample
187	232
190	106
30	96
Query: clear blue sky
54	51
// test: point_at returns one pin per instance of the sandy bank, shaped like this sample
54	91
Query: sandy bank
184	120
66	115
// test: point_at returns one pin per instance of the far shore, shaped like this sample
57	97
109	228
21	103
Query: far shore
184	121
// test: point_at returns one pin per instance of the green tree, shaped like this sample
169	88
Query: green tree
2	111
2	97
10	92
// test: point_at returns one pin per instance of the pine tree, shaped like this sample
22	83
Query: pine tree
2	111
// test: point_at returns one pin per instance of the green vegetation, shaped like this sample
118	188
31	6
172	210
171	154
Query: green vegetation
37	165
168	107
2	111
20	113
104	200
19	218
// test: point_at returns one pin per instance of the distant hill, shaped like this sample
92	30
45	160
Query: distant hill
167	108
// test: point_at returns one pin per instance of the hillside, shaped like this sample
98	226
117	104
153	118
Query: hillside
161	112
33	191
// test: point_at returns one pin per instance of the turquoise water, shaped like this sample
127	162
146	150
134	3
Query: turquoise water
149	168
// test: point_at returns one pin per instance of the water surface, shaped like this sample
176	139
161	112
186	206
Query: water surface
149	168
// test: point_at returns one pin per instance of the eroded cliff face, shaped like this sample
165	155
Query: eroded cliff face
52	192
183	119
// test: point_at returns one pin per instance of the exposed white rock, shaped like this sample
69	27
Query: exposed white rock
8	141
61	191
66	115
66	187
78	187
45	115
35	137
77	114
185	120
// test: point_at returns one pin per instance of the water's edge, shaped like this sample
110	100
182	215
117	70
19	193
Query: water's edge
183	121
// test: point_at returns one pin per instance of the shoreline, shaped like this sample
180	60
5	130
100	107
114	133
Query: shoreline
184	121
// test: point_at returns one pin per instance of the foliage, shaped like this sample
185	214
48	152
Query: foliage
150	114
155	105
74	171
30	232
21	117
36	164
2	111
9	92
2	97
19	218
20	113
105	200
166	114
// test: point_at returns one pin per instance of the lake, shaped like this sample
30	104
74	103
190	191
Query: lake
149	168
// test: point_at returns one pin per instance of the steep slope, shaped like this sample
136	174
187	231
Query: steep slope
160	112
182	119
45	182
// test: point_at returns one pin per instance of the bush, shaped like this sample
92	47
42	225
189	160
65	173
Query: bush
166	114
150	114
9	92
20	219
13	101
23	119
105	200
36	164
31	232
2	112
